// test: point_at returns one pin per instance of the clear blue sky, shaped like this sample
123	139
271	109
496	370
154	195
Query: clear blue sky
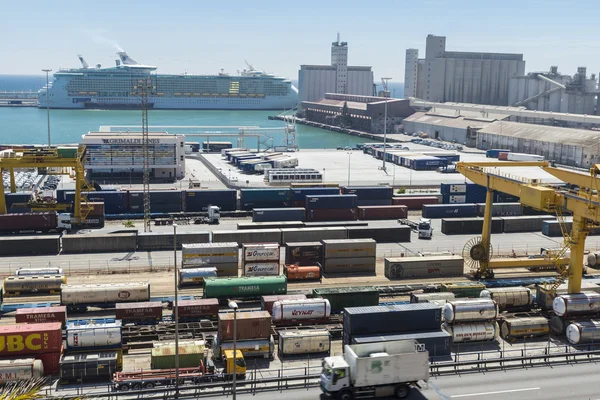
204	36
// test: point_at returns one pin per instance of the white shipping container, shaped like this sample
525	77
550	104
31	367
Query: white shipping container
38	271
524	157
261	252
20	370
294	310
473	332
304	342
209	253
261	269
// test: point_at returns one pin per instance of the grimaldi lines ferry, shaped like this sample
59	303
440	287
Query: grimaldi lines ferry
118	88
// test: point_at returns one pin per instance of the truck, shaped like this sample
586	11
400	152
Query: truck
373	370
35	222
423	227
214	216
205	372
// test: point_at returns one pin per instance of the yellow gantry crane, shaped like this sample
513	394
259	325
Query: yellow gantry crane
49	159
583	202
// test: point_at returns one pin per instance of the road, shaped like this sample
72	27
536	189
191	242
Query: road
578	381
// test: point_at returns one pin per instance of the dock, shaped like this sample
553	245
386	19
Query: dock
18	99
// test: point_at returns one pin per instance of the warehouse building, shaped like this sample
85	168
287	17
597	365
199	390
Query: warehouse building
572	147
364	113
338	77
119	155
555	92
457	76
451	126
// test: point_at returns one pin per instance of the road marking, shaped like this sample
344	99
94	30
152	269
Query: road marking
498	392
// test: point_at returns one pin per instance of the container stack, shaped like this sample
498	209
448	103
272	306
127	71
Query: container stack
371	213
449	210
165	201
303	260
222	256
471	320
264	198
349	255
260	259
298	195
95	217
414	202
370	195
416	321
331	207
253	331
191	353
462	226
462	193
278	214
48	350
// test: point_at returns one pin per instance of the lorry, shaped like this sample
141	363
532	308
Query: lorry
423	227
205	372
384	369
35	222
213	217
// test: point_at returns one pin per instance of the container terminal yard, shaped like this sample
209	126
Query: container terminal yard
286	269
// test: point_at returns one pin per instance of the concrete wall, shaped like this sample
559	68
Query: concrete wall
313	83
360	82
446	133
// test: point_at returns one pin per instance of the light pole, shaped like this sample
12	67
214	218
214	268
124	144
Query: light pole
385	89
349	154
48	101
233	305
176	313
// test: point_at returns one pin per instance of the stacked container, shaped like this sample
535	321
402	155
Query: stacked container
278	214
40	341
331	207
303	253
264	198
370	195
298	195
349	255
260	259
471	320
371	213
414	202
165	201
199	200
253	333
449	210
222	256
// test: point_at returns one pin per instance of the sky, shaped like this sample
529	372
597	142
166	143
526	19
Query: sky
204	36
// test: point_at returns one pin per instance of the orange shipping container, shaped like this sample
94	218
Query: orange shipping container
24	339
298	273
41	315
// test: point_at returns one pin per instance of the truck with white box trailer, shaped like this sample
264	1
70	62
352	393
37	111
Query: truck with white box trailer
375	370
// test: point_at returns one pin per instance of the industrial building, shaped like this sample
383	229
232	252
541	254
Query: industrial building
338	77
556	92
364	113
120	155
451	126
455	76
572	147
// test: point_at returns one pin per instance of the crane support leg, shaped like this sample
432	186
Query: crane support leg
13	184
578	235
486	234
2	198
77	205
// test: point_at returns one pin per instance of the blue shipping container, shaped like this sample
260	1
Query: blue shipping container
380	202
264	195
114	202
331	201
278	214
454	199
437	343
165	197
453	188
239	161
426	163
493	153
12	198
199	200
369	193
135	198
449	210
299	194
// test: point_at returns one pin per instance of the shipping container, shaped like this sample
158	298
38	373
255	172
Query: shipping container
370	203
365	265
196	276
345	248
473	332
190	355
278	214
299	194
199	200
340	298
464	226
30	339
303	253
21	222
142	312
88	367
292	311
253	252
266	268
244	286
453	188
23	369
115	202
501	209
264	348
525	223
264	198
449	210
463	289
313	234
438	343
302	272
94	334
413	202
267	302
250	325
210	253
454	198
423	267
381	212
340	201
306	341
513	328
41	315
51	362
493	153
470	310
415	317
523	157
331	214
369	192
193	310
392	234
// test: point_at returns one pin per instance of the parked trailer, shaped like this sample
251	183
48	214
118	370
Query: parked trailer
36	222
470	310
38	271
510	298
244	287
24	369
305	341
513	328
294	311
17	285
105	295
473	331
88	367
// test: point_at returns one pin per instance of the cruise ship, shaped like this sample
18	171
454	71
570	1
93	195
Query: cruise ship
118	88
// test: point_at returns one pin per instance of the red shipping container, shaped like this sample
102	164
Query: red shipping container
414	202
503	156
51	362
198	308
382	212
131	312
250	325
25	339
97	209
267	302
331	214
41	315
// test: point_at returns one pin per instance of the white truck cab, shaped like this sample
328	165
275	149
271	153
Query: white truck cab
63	221
425	229
335	374
214	214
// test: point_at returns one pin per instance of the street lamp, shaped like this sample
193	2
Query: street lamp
233	305
349	154
48	101
176	313
385	89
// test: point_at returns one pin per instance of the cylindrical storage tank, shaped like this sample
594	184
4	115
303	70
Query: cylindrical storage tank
516	328
510	297
583	332
429	297
20	370
304	342
576	304
104	293
266	302
302	273
473	332
593	259
195	276
297	310
33	284
470	310
90	335
558	325
38	271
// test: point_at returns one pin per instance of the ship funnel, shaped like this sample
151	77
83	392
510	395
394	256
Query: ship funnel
83	63
126	60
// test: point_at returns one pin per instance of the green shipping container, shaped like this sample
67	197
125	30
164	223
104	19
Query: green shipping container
67	152
163	357
244	287
463	289
340	298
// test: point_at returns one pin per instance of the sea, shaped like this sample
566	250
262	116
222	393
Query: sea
28	125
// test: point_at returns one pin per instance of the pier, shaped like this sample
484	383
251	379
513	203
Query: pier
18	99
